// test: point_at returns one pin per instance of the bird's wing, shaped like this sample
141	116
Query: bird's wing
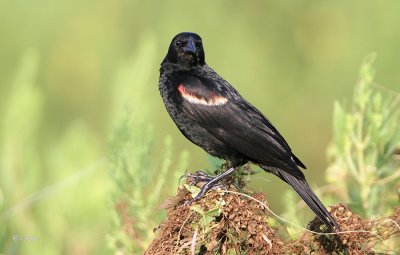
237	123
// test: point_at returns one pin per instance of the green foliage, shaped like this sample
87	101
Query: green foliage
20	123
363	168
47	200
206	217
140	176
216	165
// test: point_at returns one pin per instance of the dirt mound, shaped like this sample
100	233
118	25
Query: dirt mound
220	223
353	242
228	223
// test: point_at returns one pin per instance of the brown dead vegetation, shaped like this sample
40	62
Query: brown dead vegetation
227	223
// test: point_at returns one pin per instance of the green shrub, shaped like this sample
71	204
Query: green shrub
363	169
142	180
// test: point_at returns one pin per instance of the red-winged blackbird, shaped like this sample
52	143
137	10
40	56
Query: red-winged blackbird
213	115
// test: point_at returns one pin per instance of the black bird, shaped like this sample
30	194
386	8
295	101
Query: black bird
213	115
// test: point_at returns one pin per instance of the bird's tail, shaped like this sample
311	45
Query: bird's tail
305	192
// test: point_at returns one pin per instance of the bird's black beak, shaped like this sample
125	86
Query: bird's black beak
190	47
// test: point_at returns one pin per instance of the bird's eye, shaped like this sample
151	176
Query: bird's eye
178	43
198	44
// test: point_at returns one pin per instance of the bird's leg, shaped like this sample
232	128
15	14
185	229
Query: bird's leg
211	183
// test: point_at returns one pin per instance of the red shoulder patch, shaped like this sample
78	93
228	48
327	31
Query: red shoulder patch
194	98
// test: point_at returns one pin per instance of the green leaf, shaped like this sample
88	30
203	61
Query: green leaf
194	190
197	209
293	233
213	212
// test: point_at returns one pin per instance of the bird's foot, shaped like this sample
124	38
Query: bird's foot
201	177
197	177
211	182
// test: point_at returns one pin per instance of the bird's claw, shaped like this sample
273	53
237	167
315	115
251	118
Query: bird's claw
189	202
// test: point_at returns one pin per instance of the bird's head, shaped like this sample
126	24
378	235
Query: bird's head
186	49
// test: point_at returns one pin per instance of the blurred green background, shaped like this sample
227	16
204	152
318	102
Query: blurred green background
67	68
